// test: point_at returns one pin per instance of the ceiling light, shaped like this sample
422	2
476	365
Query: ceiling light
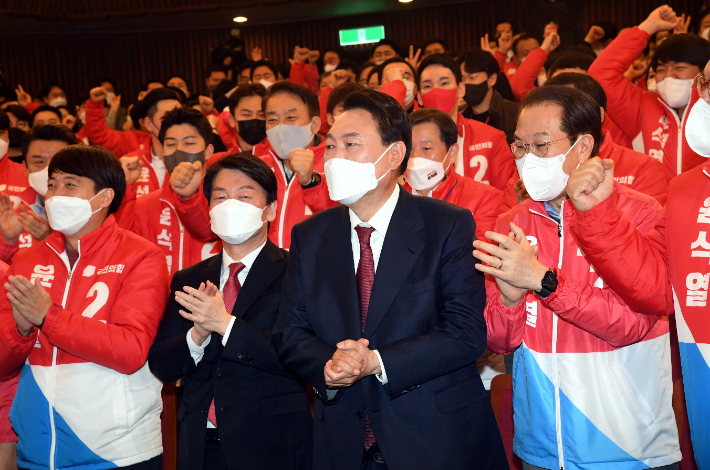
242	19
405	1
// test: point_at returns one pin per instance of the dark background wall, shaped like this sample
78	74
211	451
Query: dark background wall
35	50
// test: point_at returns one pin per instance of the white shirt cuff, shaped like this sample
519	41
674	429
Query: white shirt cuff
227	331
196	351
383	376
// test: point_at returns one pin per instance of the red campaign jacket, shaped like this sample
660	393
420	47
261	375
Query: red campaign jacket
305	75
596	318
654	128
616	133
291	205
510	68
523	81
501	58
227	133
14	183
148	182
485	202
398	91
323	105
154	218
120	143
484	154
631	169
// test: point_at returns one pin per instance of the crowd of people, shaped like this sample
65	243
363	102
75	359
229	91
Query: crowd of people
334	260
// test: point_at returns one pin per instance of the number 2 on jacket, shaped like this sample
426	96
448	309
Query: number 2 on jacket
101	291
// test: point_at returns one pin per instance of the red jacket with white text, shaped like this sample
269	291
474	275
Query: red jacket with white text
14	183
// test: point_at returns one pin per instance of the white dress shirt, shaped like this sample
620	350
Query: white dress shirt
158	167
380	222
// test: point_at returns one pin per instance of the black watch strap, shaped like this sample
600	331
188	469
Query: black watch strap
548	285
315	181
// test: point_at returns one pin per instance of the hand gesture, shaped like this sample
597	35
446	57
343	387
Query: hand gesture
413	58
301	161
69	121
513	263
595	34
115	102
636	70
206	311
206	104
313	57
683	25
338	77
395	74
591	183
132	167
23	98
486	45
662	18
32	301
551	42
97	94
520	191
34	224
300	54
256	54
505	43
10	225
351	362
186	178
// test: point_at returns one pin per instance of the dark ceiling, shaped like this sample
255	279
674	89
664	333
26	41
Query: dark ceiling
85	16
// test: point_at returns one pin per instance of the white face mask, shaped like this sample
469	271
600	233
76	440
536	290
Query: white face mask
696	128
541	79
235	221
265	83
409	97
423	173
69	214
4	145
348	181
38	181
56	102
544	178
651	85
329	67
82	116
379	62
705	34
284	138
109	97
675	92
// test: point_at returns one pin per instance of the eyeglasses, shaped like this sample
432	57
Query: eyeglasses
540	150
701	83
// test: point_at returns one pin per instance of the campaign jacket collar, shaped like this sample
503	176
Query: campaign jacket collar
89	243
444	189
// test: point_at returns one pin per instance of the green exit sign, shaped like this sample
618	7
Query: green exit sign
350	37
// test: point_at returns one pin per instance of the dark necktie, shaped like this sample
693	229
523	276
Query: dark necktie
365	278
230	292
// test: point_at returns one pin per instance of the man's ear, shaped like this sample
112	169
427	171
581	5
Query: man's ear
461	90
603	113
209	151
233	122
330	119
451	155
315	125
492	80
107	198
586	144
398	152
271	212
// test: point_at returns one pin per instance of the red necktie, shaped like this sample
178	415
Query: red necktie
365	278
230	292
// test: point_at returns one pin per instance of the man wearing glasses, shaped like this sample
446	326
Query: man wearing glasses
663	271
592	385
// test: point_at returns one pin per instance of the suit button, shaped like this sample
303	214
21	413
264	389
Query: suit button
219	372
358	414
250	359
240	356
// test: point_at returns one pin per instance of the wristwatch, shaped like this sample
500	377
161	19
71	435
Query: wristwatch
315	181
548	284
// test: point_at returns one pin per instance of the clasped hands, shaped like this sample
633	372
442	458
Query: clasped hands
30	303
352	361
206	311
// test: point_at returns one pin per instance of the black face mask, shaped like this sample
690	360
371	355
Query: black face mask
174	159
475	94
252	131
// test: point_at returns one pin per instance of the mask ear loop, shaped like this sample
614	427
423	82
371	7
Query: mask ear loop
378	160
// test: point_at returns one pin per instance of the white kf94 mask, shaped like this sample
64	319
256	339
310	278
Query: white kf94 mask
235	221
348	181
544	178
67	214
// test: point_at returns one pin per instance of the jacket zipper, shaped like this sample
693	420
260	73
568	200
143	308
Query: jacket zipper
53	374
679	152
285	201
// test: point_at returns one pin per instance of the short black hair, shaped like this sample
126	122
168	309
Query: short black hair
243	91
253	167
180	76
444	61
477	60
682	48
390	118
47	133
149	104
583	83
149	81
339	93
45	107
579	112
44	92
20	112
522	37
263	63
96	163
347	64
570	60
384	42
188	116
435	41
338	50
448	133
106	80
298	91
5	120
214	68
394	60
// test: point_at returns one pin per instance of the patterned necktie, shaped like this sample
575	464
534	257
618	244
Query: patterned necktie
365	278
230	292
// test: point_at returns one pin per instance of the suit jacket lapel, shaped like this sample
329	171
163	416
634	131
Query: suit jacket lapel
268	266
400	251
335	258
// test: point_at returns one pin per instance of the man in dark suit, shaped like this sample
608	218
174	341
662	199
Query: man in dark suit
241	408
382	311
